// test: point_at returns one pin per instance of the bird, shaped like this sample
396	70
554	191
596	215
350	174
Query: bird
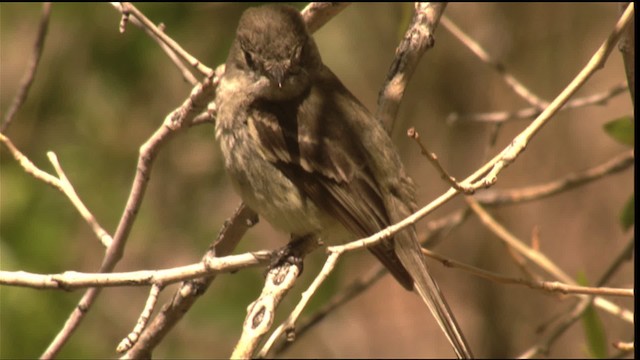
305	154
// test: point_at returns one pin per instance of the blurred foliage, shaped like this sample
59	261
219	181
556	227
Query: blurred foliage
98	95
621	130
627	217
594	331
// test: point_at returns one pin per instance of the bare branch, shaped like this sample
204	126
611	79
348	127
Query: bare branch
228	238
513	83
499	117
149	306
30	72
494	197
61	183
597	61
541	260
542	347
433	159
71	280
288	326
417	40
549	286
129	9
317	14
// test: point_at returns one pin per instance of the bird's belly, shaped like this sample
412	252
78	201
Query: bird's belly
266	190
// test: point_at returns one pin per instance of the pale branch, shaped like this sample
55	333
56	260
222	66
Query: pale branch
624	346
280	279
143	320
29	167
288	326
30	72
317	14
72	280
228	238
61	183
68	190
173	56
339	299
261	313
417	40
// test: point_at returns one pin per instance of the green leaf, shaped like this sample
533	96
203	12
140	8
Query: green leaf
621	130
594	332
627	216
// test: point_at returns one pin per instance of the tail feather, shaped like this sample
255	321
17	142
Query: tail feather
409	252
411	257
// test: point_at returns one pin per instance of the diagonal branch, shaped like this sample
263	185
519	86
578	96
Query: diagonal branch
178	119
30	73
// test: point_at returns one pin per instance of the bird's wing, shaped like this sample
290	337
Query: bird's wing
339	180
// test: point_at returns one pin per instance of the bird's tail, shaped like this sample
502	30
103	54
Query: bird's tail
410	255
409	252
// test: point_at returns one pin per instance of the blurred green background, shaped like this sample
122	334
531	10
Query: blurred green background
98	95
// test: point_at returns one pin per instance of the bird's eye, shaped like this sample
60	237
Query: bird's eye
249	59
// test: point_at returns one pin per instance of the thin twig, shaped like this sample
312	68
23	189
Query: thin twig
541	259
433	159
68	190
30	72
495	197
549	286
171	53
28	166
513	83
61	183
130	9
499	117
542	347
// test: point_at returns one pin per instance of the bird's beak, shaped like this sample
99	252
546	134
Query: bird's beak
278	74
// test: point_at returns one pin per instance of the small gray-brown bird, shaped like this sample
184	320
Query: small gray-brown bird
308	157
